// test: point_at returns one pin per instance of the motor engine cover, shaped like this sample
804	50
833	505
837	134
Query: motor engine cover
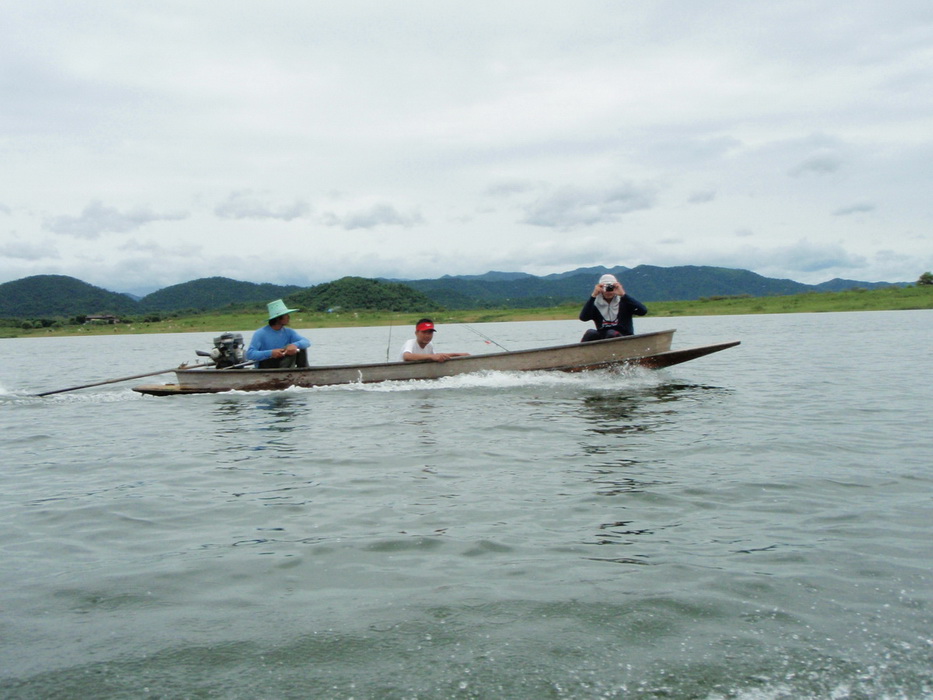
228	350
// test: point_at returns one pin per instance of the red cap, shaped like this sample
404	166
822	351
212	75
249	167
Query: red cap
425	326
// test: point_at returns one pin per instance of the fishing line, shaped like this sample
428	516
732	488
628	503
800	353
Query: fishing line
487	339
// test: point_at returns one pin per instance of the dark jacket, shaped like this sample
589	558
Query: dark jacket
628	307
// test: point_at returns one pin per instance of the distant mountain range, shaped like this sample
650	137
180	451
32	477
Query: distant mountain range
646	283
61	296
44	296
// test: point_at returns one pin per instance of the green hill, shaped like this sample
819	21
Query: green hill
357	293
691	282
59	295
210	293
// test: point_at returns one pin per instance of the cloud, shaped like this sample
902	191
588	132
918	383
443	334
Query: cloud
807	258
245	204
29	250
568	207
507	188
97	219
861	208
889	257
819	164
702	197
471	112
800	257
178	251
381	214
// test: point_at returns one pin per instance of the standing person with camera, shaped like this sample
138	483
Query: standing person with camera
611	309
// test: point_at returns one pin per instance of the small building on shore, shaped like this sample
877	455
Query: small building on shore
101	318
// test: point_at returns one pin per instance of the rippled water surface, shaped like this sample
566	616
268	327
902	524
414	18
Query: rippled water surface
753	524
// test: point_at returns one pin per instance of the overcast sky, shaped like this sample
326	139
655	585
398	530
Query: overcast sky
143	144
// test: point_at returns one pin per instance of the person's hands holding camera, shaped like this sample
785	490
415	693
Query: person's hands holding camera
610	289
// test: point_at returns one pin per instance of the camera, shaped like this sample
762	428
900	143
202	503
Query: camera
609	287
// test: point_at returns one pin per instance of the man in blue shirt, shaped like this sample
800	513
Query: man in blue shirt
277	345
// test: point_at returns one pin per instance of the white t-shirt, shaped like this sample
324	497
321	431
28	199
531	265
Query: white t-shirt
411	345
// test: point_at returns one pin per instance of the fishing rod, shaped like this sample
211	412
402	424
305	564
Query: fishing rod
123	379
486	338
140	376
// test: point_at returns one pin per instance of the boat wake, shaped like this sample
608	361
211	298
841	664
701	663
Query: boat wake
629	377
112	396
610	379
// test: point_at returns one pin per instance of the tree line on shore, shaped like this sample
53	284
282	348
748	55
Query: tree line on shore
50	301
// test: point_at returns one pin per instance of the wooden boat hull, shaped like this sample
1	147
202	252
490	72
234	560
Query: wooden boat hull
675	357
648	349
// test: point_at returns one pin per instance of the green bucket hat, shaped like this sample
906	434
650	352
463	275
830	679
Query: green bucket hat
277	308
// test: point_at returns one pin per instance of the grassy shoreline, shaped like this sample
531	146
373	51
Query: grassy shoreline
885	299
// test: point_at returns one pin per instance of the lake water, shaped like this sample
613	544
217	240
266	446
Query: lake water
753	524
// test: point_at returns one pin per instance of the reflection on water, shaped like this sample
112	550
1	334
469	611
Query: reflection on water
264	421
623	533
616	481
639	408
642	410
627	471
275	412
422	415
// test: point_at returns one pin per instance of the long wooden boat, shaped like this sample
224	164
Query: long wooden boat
651	350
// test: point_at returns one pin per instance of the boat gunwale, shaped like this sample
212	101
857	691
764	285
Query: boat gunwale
467	358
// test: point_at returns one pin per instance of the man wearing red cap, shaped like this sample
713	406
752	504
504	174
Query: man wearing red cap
421	347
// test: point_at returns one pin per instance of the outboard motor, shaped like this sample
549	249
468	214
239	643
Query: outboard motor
228	350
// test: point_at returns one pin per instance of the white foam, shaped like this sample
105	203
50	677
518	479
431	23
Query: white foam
628	378
14	395
99	396
78	396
